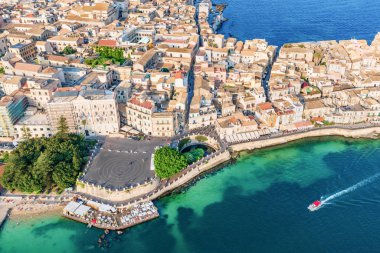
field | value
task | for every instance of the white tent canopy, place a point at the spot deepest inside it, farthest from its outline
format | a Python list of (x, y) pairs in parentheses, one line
[(82, 210), (71, 207)]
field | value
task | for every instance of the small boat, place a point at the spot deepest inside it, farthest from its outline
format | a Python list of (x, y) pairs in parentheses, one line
[(315, 206), (119, 232)]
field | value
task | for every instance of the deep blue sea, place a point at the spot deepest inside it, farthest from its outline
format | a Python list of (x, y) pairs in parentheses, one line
[(283, 21), (259, 203)]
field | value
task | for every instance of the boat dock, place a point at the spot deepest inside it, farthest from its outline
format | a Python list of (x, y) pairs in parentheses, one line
[(107, 217)]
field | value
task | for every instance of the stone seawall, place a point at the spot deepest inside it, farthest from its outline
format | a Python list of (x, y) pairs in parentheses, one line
[(155, 189), (273, 141), (185, 178), (116, 195)]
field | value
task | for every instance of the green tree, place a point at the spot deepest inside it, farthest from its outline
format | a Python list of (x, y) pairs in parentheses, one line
[(43, 164), (168, 162), (194, 155), (26, 132), (69, 50), (62, 125), (183, 142)]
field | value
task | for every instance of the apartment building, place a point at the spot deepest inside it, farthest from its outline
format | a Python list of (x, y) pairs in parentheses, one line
[(59, 42), (100, 13), (147, 60), (164, 124), (26, 51), (35, 123), (41, 90), (202, 111), (9, 84), (139, 111), (12, 108), (143, 115), (91, 112)]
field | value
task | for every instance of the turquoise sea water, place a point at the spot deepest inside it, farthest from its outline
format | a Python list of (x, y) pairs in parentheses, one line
[(258, 204)]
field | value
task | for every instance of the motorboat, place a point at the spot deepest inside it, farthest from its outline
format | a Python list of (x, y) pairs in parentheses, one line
[(315, 205)]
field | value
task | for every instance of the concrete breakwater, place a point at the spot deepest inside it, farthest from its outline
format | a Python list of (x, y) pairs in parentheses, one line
[(318, 132)]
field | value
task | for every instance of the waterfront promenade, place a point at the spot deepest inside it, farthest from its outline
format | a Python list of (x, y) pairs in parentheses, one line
[(351, 131), (190, 173), (224, 155)]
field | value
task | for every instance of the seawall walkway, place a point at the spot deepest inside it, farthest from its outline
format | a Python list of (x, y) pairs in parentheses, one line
[(166, 186), (357, 131)]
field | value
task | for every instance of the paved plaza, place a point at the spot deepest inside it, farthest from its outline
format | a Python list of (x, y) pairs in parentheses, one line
[(122, 163)]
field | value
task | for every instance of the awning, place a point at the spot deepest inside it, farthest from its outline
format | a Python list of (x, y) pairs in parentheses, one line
[(71, 207), (107, 208), (82, 210)]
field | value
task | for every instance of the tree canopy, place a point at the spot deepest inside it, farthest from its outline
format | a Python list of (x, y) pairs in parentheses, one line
[(168, 161), (43, 164), (183, 142), (106, 56), (62, 126), (69, 50), (194, 155)]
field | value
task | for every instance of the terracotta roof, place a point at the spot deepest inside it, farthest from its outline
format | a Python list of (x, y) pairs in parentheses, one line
[(27, 67), (318, 119), (101, 6), (107, 43), (146, 104), (57, 58), (178, 75), (49, 70), (74, 88), (5, 100), (303, 124), (265, 106)]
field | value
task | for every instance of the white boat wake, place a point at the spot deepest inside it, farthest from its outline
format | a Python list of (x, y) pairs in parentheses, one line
[(351, 189)]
